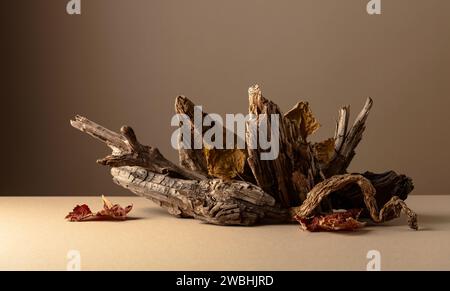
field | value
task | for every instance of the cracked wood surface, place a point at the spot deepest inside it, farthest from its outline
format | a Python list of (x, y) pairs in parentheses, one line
[(213, 200)]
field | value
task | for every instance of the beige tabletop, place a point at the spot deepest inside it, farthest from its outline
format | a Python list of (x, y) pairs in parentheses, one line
[(35, 236)]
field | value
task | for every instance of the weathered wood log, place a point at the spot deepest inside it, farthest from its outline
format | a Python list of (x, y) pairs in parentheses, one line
[(214, 201)]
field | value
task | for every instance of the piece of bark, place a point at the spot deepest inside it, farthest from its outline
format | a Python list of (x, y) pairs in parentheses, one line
[(192, 159), (289, 176), (347, 141), (390, 210), (387, 185)]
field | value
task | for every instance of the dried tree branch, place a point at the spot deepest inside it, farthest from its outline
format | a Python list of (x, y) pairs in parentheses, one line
[(127, 151)]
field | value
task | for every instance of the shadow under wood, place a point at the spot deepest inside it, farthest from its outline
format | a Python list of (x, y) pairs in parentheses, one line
[(153, 211), (163, 212)]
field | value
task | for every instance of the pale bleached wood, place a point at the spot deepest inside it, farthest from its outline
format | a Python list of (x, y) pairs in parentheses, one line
[(127, 151), (341, 128), (213, 200), (346, 143)]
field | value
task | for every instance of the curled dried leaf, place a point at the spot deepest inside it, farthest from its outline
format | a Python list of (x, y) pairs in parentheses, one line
[(338, 221), (113, 211), (109, 212), (324, 150), (226, 163), (80, 213), (301, 114)]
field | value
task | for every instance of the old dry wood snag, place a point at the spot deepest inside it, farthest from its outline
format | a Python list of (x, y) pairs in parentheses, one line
[(306, 182)]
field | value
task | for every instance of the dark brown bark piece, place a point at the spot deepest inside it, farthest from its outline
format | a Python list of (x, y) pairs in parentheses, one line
[(390, 210), (387, 185)]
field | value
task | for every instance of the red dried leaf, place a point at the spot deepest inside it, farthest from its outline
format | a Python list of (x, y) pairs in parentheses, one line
[(80, 212), (109, 212), (113, 211), (337, 221)]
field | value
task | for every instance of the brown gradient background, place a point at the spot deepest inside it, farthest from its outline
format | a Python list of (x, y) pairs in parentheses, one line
[(123, 62)]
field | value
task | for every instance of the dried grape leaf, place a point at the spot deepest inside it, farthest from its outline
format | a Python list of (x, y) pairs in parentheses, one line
[(80, 213), (338, 221), (324, 150), (114, 211), (301, 114), (226, 163), (109, 212)]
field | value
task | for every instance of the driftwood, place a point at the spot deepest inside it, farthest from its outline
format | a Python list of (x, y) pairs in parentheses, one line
[(304, 180)]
